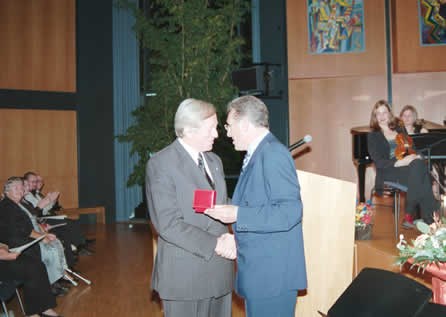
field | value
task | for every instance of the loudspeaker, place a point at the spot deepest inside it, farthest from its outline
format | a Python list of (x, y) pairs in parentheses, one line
[(381, 293), (433, 310)]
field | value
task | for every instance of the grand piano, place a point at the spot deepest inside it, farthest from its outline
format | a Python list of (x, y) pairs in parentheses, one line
[(432, 145)]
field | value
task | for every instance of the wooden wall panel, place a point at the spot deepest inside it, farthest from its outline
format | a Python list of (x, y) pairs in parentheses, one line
[(425, 91), (38, 45), (301, 64), (43, 141), (408, 54), (327, 109)]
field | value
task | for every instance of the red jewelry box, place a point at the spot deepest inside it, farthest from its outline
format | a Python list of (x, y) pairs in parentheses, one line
[(204, 199)]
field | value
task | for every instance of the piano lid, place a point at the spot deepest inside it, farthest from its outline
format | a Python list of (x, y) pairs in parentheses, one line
[(360, 130)]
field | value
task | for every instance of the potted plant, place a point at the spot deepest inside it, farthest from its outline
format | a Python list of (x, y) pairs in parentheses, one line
[(364, 221), (193, 48), (428, 253)]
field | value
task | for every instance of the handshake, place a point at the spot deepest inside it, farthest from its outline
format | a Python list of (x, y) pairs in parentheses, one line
[(226, 246)]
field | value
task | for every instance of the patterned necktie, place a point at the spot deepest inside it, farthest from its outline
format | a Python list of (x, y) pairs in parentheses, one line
[(246, 161), (202, 168)]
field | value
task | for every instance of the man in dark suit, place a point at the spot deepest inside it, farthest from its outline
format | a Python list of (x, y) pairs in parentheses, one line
[(193, 273), (267, 211)]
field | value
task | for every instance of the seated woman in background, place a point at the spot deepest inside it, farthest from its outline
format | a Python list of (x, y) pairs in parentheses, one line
[(410, 171), (38, 300), (17, 228), (409, 117)]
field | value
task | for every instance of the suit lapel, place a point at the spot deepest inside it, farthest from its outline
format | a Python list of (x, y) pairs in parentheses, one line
[(242, 182), (190, 168)]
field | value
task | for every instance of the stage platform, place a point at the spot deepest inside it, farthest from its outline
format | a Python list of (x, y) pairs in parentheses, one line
[(381, 251)]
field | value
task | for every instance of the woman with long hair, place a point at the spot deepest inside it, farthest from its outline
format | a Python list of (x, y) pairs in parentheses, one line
[(410, 170)]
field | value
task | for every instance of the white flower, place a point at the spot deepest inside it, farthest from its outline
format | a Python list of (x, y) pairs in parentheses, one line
[(420, 241), (440, 231), (435, 243), (402, 244)]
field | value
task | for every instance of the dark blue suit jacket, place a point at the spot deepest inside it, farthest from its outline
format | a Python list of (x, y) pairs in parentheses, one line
[(268, 231)]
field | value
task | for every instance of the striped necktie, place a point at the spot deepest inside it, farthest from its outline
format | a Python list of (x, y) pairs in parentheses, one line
[(246, 161)]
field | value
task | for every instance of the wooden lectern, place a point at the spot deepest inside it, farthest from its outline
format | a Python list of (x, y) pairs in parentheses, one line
[(329, 229)]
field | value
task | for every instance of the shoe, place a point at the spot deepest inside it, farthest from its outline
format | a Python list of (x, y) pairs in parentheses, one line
[(64, 283), (58, 291), (408, 222), (407, 225), (90, 241), (84, 251)]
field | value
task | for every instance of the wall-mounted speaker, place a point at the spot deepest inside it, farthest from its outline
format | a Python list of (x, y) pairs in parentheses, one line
[(259, 80)]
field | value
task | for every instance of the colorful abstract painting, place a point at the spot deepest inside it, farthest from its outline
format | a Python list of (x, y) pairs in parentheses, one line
[(432, 16), (336, 26)]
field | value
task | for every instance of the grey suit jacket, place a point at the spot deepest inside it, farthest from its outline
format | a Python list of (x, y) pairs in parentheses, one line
[(186, 266)]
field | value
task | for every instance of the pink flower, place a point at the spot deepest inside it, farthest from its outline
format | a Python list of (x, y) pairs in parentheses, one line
[(367, 219)]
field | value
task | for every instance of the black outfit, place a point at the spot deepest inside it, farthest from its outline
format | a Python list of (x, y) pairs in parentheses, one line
[(36, 287), (16, 227), (15, 230), (415, 176)]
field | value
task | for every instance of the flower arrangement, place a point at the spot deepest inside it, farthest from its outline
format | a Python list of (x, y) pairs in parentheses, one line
[(427, 248), (364, 214)]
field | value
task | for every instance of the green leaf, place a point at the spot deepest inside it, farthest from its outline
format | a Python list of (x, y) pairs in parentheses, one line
[(423, 227), (194, 47)]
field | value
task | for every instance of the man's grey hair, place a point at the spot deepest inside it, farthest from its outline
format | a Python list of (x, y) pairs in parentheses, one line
[(190, 113), (251, 108), (9, 183)]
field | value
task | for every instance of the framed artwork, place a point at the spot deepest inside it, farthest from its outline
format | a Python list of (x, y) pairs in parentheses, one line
[(336, 26), (432, 17)]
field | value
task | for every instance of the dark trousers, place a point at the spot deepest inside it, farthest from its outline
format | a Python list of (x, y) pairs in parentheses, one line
[(419, 188), (71, 231), (36, 287)]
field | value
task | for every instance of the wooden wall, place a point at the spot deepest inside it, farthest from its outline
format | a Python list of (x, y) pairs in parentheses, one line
[(409, 56), (330, 94), (38, 45), (38, 54), (50, 149)]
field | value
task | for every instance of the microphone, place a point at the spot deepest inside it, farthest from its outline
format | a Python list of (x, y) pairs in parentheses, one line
[(306, 139)]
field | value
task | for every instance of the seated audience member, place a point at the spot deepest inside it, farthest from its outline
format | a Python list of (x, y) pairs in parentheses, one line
[(17, 228), (39, 193), (38, 299), (47, 204), (34, 196), (410, 171), (63, 234), (409, 116)]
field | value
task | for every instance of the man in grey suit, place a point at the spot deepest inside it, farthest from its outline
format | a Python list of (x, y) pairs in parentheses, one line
[(193, 271)]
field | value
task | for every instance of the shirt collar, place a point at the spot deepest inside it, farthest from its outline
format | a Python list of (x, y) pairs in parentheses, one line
[(192, 152), (254, 144)]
